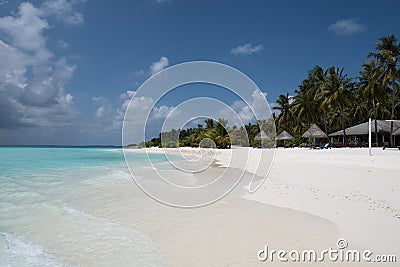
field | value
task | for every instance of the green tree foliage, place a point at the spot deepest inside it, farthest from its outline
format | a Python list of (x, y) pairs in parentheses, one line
[(335, 101), (215, 134), (328, 98)]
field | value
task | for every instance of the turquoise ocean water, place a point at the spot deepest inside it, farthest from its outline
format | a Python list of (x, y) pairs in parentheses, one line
[(40, 224)]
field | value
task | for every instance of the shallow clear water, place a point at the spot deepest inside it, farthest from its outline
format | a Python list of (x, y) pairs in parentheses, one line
[(39, 222)]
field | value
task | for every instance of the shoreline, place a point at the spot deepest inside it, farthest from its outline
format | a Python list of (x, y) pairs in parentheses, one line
[(345, 186), (228, 232), (87, 214)]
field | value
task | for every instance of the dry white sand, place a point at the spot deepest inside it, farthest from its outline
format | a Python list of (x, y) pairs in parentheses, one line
[(357, 192), (309, 200)]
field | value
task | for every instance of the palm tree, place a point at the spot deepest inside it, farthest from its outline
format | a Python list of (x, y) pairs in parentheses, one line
[(222, 139), (221, 127), (327, 97), (337, 94), (388, 58), (318, 77), (252, 130), (209, 123), (371, 89), (284, 118), (304, 107)]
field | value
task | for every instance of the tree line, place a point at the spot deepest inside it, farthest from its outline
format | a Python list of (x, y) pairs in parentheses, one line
[(215, 133), (335, 101), (328, 98)]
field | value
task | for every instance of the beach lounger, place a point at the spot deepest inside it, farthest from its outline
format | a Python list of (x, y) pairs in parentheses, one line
[(384, 147), (325, 146)]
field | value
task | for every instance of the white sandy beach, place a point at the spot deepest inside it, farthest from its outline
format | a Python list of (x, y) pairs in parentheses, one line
[(356, 192), (326, 195)]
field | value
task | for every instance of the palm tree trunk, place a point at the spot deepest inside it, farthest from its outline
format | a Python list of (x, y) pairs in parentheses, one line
[(325, 125), (343, 126), (376, 123), (393, 107)]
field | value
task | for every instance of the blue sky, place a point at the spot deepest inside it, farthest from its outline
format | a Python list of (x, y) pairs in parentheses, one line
[(67, 67)]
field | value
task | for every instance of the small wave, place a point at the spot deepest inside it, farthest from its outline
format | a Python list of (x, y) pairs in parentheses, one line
[(103, 239), (106, 225), (17, 250), (73, 211)]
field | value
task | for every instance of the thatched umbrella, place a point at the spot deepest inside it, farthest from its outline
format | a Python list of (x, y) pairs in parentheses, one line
[(262, 136), (315, 132), (284, 136)]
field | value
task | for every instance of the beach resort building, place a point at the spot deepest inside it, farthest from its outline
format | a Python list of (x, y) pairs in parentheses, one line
[(358, 134)]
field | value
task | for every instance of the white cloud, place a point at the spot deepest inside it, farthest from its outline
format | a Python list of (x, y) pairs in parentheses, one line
[(100, 112), (62, 44), (139, 73), (109, 118), (347, 27), (161, 112), (3, 2), (140, 104), (159, 65), (134, 120), (127, 95), (105, 107), (248, 112), (100, 99), (64, 10), (238, 114), (155, 67), (259, 105), (32, 79), (25, 29), (247, 49)]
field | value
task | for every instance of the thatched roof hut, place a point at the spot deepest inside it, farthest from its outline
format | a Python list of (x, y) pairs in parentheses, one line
[(262, 136), (284, 136), (314, 131)]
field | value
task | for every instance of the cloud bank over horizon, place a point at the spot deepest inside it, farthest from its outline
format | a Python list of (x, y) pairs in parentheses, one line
[(32, 77)]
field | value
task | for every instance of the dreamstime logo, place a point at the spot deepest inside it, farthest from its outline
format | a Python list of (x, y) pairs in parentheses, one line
[(341, 254), (342, 243), (189, 180)]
